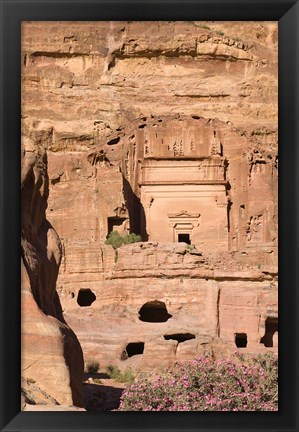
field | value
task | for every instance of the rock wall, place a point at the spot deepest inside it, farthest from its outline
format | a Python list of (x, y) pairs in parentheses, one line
[(182, 293), (104, 99), (51, 353)]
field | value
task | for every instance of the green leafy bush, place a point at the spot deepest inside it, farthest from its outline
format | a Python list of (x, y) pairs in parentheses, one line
[(123, 377), (131, 238), (113, 371), (116, 240), (92, 366), (242, 383), (127, 376)]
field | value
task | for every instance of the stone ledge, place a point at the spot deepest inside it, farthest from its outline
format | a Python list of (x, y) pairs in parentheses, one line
[(197, 274)]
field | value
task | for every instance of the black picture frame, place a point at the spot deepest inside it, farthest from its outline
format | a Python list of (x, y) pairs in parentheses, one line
[(286, 12)]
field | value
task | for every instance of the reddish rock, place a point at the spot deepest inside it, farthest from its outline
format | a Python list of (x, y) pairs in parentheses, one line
[(51, 353), (169, 130)]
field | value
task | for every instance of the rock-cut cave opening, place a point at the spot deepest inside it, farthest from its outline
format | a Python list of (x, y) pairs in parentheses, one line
[(271, 326), (184, 238), (85, 297), (132, 349), (154, 311), (180, 337), (241, 340), (114, 222)]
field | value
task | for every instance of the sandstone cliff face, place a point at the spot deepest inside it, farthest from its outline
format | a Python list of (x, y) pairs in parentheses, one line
[(51, 353), (111, 102), (164, 302)]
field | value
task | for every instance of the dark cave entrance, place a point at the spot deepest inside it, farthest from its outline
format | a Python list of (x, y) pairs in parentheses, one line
[(132, 349), (241, 340), (180, 337), (184, 238), (114, 222), (154, 311), (85, 297), (271, 326)]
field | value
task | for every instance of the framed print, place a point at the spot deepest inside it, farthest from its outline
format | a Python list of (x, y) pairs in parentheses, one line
[(158, 237)]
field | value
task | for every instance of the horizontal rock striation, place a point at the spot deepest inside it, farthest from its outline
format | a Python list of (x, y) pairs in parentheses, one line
[(190, 292), (168, 130)]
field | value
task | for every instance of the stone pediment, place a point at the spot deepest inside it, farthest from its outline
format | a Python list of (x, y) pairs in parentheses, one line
[(184, 214)]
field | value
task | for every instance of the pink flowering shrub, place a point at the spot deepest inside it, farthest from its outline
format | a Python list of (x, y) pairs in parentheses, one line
[(242, 383)]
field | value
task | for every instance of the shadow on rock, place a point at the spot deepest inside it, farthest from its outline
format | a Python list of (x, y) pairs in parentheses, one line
[(101, 397)]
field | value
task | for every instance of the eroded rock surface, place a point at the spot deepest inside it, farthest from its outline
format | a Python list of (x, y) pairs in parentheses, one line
[(51, 353), (167, 129), (164, 302)]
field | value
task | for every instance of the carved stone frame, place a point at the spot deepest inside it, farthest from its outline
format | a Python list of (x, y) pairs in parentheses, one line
[(183, 223)]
